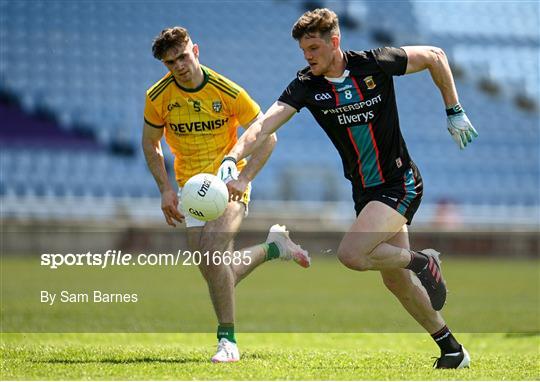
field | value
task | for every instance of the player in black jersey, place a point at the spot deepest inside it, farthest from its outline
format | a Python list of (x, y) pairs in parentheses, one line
[(351, 95)]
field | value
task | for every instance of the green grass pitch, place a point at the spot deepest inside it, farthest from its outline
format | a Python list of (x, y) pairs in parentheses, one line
[(326, 323), (268, 356)]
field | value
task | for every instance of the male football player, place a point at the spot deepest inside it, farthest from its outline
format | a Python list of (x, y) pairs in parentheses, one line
[(351, 95), (199, 111)]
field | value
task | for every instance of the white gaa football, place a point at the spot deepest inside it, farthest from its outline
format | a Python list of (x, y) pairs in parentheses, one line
[(205, 197)]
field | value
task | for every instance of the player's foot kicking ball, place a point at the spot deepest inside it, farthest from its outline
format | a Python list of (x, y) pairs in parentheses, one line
[(287, 248)]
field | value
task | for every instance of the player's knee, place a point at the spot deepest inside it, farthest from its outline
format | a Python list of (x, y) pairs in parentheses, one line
[(211, 247), (215, 243), (352, 259), (212, 271), (206, 245)]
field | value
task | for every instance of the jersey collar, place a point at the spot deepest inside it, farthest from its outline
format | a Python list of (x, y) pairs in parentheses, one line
[(193, 90), (339, 80)]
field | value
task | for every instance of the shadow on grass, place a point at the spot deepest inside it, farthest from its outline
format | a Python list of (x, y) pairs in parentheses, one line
[(136, 360), (121, 361)]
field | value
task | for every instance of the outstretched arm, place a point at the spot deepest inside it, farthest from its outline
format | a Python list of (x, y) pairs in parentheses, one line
[(237, 187), (261, 132), (434, 59), (154, 159), (260, 156)]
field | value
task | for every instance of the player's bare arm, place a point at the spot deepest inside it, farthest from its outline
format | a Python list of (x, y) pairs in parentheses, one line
[(252, 140), (261, 129), (434, 59), (154, 159), (237, 187)]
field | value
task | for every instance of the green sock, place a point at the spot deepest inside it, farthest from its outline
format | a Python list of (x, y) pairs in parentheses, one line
[(272, 251), (226, 331)]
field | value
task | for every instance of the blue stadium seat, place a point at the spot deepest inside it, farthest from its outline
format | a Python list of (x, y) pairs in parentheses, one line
[(89, 70)]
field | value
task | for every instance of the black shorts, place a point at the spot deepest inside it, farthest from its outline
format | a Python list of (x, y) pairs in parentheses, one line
[(404, 196)]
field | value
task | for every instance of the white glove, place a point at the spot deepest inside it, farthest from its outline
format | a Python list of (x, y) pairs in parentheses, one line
[(228, 171), (459, 126)]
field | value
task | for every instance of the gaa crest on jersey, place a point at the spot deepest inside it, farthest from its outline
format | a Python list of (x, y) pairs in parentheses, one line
[(370, 83), (216, 105), (173, 105)]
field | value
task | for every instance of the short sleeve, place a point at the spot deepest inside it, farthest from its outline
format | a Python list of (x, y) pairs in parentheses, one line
[(392, 61), (151, 116), (293, 95), (245, 108)]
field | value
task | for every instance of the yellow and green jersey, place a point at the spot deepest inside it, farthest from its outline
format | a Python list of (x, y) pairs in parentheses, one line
[(200, 124)]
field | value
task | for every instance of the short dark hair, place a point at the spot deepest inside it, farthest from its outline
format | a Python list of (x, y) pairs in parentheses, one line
[(321, 20), (169, 38)]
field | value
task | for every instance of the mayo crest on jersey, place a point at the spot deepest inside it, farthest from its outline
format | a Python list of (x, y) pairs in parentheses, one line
[(201, 123)]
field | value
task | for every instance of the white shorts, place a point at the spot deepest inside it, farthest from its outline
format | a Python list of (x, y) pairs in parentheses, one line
[(192, 222)]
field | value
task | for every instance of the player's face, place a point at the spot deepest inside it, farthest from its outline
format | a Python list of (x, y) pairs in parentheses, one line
[(183, 62), (318, 52)]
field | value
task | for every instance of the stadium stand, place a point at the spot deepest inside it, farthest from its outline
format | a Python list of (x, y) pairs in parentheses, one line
[(89, 64)]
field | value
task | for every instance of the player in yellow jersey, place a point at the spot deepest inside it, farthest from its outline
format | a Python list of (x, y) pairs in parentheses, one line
[(199, 111)]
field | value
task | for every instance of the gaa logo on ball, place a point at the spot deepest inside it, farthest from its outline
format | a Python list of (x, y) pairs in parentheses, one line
[(204, 197)]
